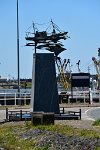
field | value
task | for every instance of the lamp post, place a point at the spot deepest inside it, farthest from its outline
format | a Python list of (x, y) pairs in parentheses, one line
[(18, 51)]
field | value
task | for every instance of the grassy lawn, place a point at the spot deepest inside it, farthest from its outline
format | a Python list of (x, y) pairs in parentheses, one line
[(10, 138), (96, 123)]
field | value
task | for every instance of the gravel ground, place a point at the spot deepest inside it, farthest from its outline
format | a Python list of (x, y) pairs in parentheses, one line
[(55, 141)]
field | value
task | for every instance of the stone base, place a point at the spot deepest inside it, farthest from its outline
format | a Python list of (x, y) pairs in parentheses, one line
[(42, 118)]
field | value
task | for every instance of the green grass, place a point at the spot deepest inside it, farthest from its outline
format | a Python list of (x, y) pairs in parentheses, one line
[(28, 84), (96, 123), (11, 140), (97, 148)]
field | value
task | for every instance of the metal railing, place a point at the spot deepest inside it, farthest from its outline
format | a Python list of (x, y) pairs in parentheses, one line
[(83, 96), (15, 98), (25, 98)]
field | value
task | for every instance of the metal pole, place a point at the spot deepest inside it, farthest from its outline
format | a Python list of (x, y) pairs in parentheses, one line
[(18, 50), (18, 54)]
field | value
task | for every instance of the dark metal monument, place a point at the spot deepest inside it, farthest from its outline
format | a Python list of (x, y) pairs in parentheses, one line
[(44, 82), (44, 87)]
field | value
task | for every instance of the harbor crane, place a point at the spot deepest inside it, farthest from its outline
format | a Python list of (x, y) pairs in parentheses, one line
[(63, 77), (97, 66)]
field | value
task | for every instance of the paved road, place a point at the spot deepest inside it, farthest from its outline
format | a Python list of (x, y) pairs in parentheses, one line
[(2, 114), (84, 111)]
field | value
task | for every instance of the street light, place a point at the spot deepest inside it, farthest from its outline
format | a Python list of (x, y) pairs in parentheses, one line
[(18, 51)]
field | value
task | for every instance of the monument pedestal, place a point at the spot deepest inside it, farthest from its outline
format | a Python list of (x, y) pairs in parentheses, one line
[(44, 84)]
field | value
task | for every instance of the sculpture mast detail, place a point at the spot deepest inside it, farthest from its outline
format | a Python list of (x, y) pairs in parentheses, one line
[(49, 41)]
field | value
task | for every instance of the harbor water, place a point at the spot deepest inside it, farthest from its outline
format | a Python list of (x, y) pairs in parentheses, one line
[(15, 90)]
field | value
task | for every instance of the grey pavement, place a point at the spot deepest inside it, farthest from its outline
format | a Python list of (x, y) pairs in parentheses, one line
[(2, 114), (84, 110)]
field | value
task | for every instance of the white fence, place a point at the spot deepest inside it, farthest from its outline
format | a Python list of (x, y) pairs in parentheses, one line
[(82, 96), (91, 95), (25, 98), (15, 98)]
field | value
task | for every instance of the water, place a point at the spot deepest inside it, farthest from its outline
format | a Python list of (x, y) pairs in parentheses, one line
[(60, 89), (15, 90)]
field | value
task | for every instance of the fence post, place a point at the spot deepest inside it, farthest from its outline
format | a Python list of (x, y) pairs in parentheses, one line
[(25, 99), (7, 114), (20, 114), (15, 99), (84, 96), (80, 114), (63, 110), (5, 100)]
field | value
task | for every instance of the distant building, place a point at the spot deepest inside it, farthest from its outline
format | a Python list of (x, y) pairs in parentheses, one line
[(3, 79)]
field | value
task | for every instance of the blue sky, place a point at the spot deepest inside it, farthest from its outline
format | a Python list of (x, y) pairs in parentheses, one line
[(81, 18)]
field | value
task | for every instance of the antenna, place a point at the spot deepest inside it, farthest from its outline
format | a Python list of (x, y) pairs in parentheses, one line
[(88, 69), (78, 63), (98, 51)]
